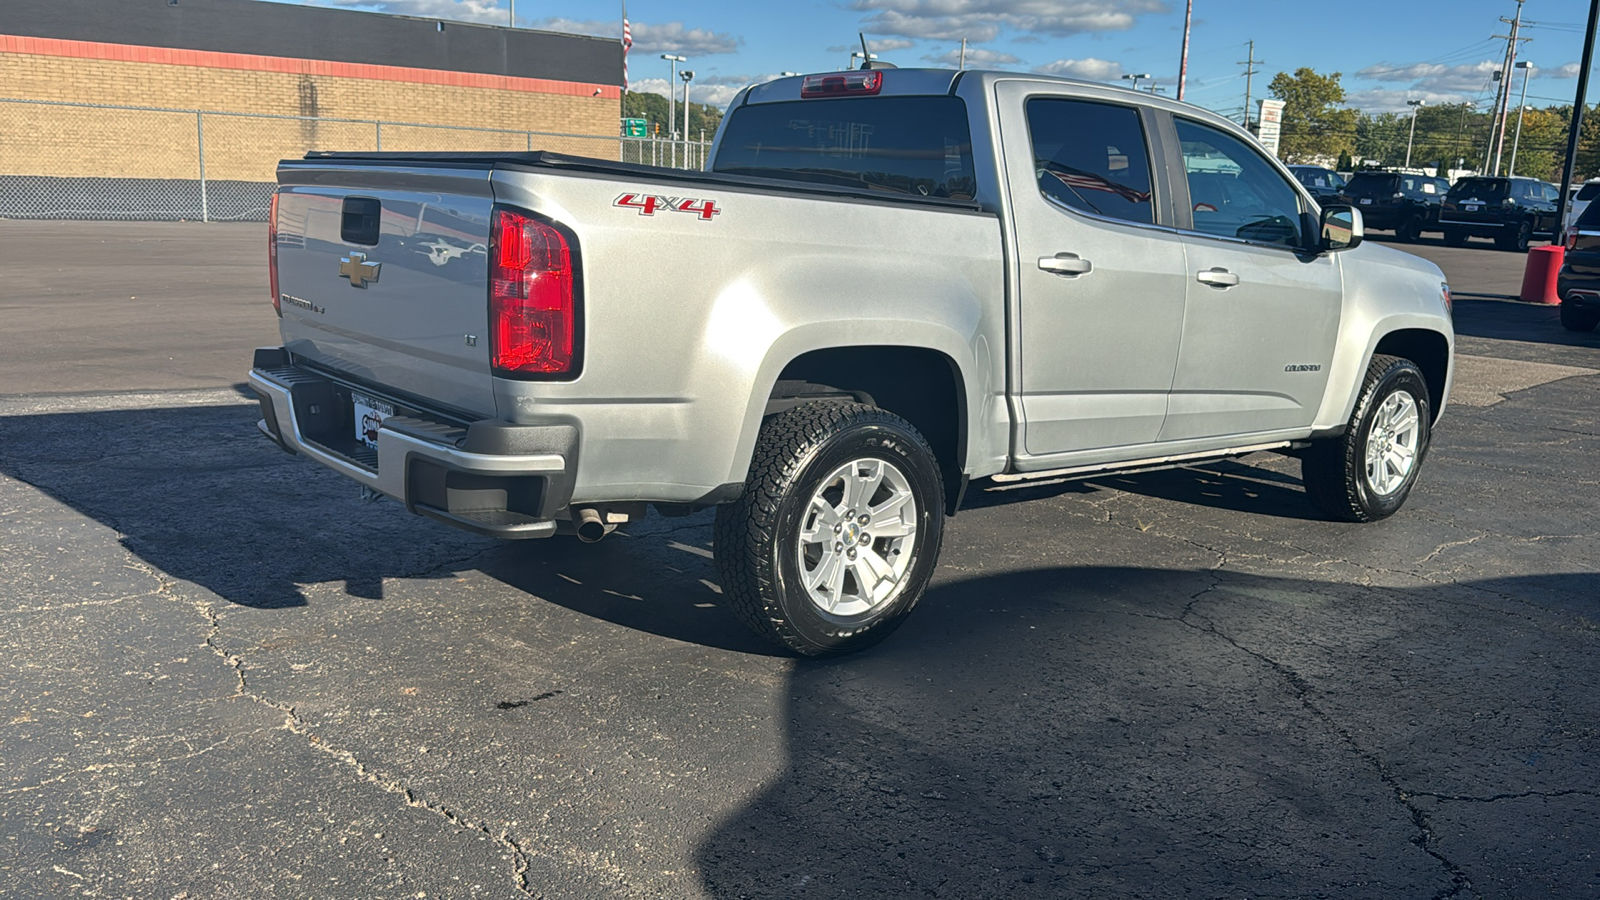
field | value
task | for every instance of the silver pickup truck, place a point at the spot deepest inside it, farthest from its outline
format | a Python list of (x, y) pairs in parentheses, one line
[(888, 283)]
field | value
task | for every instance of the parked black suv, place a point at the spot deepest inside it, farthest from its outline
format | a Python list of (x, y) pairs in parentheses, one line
[(1579, 282), (1325, 185), (1406, 204), (1513, 211)]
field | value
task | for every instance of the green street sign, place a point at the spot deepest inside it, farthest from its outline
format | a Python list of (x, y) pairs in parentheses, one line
[(633, 128)]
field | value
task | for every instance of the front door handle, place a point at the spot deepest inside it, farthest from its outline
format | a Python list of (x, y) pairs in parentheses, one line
[(1069, 264), (1217, 277)]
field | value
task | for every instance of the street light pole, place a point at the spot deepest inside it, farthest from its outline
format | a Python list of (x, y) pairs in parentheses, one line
[(1136, 78), (1416, 105), (672, 101), (687, 75), (1516, 142)]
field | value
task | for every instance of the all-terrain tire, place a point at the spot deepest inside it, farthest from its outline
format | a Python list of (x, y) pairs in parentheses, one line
[(1575, 319), (759, 545), (1335, 471)]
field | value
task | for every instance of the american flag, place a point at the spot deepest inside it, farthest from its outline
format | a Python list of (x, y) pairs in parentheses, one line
[(1080, 180), (627, 44)]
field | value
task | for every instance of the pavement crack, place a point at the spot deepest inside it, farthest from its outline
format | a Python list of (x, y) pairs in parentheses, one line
[(1426, 839), (1449, 544), (1493, 798)]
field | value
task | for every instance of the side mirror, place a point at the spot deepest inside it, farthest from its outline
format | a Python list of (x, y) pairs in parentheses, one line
[(1342, 228)]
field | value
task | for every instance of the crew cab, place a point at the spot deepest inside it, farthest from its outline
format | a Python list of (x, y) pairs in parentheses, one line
[(890, 284)]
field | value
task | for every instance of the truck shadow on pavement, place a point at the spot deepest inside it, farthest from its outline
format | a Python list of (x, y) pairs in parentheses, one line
[(1485, 316), (1123, 731)]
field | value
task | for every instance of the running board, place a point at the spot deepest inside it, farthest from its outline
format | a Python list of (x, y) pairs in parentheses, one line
[(1141, 465)]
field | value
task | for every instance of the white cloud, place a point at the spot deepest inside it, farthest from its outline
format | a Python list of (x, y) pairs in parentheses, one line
[(1381, 100), (488, 12), (977, 58), (1570, 70), (884, 45), (667, 37), (1089, 69), (1469, 78), (982, 20)]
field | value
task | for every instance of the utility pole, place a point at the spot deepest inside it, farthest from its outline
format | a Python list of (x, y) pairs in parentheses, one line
[(1183, 64), (1249, 73), (1577, 113), (1503, 96), (513, 17), (963, 53)]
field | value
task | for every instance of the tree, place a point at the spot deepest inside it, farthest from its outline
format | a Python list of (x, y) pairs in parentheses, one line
[(1315, 126), (653, 109)]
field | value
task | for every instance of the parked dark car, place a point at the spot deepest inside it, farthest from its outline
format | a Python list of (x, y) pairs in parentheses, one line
[(1513, 211), (1325, 185), (1406, 204), (1579, 282)]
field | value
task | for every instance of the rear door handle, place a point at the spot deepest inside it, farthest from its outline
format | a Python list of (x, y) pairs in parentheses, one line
[(1217, 277), (1069, 264)]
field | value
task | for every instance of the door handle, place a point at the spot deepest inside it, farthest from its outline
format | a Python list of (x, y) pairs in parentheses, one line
[(1069, 264), (1217, 277)]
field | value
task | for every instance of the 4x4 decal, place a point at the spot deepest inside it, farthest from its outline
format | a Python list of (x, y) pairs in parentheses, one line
[(647, 204)]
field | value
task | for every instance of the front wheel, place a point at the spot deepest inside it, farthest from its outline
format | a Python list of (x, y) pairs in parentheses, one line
[(1410, 230), (837, 531), (1366, 473)]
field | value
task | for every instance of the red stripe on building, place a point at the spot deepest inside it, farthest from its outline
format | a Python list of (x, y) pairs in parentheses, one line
[(250, 63)]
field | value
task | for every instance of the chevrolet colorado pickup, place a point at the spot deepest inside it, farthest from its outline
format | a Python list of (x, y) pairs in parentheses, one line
[(889, 283)]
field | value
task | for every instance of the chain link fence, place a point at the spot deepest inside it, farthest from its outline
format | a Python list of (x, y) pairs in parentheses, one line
[(87, 161)]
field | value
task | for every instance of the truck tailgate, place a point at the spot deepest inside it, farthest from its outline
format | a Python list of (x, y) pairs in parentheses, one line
[(383, 274)]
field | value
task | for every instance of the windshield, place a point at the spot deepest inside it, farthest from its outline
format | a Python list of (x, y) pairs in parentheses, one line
[(905, 145), (1589, 191), (1489, 190), (1372, 184)]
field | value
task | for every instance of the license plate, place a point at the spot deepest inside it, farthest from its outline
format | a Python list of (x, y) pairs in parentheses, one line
[(1472, 207), (1366, 201), (369, 416)]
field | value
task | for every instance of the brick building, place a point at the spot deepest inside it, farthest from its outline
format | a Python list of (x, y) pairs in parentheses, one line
[(245, 60)]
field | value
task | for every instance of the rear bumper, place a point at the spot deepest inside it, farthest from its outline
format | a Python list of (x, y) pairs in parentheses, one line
[(1586, 296), (488, 477)]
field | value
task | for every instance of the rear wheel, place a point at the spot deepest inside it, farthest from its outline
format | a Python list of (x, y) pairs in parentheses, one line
[(837, 531), (1517, 240), (1455, 237), (1367, 473), (1575, 319)]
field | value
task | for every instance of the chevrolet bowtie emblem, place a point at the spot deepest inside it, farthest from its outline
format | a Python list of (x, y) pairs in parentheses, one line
[(356, 268)]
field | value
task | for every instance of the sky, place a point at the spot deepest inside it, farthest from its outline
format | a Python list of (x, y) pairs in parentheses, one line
[(1438, 51)]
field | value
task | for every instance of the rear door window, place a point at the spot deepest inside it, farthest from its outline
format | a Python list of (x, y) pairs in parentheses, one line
[(901, 145), (1091, 157), (1373, 184), (1589, 191)]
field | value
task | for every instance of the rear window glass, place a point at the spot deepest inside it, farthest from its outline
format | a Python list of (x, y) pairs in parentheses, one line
[(1373, 183), (1091, 157), (1489, 190), (1589, 191), (904, 145), (1590, 220)]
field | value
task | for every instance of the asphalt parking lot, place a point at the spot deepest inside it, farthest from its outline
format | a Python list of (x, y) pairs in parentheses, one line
[(226, 676)]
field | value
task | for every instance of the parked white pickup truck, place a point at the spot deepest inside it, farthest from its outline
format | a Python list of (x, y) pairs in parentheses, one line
[(889, 283)]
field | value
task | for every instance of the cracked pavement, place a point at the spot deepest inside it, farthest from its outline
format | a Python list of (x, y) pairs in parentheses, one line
[(226, 676)]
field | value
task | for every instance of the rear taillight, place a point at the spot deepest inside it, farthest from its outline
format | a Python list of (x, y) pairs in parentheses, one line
[(842, 84), (272, 255), (1572, 237), (531, 309)]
